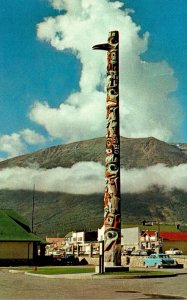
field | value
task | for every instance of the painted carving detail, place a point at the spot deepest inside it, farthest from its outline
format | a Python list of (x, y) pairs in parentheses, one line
[(112, 206), (112, 211)]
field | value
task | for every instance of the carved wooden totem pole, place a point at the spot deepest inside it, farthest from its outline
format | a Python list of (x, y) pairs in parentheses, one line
[(112, 203)]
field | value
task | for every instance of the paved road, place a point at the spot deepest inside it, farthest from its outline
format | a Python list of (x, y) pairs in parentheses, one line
[(21, 286)]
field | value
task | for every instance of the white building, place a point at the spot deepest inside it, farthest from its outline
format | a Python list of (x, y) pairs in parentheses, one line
[(80, 242), (130, 237), (150, 240)]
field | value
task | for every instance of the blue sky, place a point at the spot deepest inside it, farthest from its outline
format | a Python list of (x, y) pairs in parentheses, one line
[(45, 81), (30, 69), (166, 21)]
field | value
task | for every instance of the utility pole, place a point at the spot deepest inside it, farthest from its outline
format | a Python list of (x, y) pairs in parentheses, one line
[(112, 195), (33, 204)]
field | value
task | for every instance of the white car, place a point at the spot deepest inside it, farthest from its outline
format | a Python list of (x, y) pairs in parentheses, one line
[(173, 251)]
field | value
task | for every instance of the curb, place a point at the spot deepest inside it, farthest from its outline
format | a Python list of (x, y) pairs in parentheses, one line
[(134, 276), (64, 276), (15, 271), (96, 276)]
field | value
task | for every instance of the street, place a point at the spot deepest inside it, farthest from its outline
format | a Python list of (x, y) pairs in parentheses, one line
[(21, 286)]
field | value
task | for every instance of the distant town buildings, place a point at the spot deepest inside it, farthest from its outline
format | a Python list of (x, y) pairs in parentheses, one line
[(18, 245), (174, 240), (81, 243)]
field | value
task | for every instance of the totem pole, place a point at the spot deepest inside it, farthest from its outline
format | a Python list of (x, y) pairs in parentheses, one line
[(112, 205)]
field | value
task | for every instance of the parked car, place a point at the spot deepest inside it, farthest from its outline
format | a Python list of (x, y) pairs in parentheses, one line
[(159, 260), (69, 259), (173, 251), (138, 253), (95, 252), (142, 252), (56, 257), (127, 251)]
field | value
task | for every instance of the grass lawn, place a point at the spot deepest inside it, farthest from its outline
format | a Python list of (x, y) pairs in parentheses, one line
[(79, 270), (139, 273), (58, 270), (163, 227)]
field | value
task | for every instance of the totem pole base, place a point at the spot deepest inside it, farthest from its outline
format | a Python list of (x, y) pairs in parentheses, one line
[(112, 269), (108, 267)]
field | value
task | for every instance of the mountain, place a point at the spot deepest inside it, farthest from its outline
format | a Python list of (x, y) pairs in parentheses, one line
[(58, 213), (135, 153)]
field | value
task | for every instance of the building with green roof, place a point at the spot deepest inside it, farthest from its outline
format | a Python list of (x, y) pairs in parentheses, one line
[(17, 242)]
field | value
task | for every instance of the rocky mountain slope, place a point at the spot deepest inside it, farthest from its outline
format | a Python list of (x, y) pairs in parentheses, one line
[(135, 153), (58, 213)]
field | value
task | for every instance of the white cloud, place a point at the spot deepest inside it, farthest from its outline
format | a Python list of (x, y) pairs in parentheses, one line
[(16, 143), (147, 107), (31, 137), (78, 179), (88, 178), (141, 180), (72, 122), (12, 144)]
